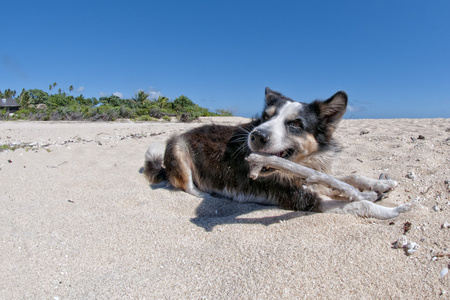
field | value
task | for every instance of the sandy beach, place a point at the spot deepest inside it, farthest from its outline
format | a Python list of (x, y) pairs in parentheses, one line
[(79, 221)]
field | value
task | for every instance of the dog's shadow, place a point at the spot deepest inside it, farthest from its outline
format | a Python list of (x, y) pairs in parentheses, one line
[(214, 211)]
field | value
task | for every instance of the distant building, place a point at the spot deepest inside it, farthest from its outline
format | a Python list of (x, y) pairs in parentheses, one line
[(10, 105)]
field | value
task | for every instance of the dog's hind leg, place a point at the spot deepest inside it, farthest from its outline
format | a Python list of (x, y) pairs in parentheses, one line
[(369, 184), (363, 209), (178, 166)]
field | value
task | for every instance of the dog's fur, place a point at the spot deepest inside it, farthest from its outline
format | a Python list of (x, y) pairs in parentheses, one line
[(211, 159)]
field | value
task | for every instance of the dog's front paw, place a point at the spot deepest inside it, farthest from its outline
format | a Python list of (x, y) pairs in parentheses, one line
[(403, 208), (384, 185), (369, 196), (388, 183)]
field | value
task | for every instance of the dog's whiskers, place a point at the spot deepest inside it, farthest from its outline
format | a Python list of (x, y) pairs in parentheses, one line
[(242, 149), (241, 138)]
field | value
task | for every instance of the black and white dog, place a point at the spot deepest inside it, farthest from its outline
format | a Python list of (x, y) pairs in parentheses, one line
[(217, 159)]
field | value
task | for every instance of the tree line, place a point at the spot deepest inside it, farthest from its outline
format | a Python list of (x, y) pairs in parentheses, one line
[(36, 104)]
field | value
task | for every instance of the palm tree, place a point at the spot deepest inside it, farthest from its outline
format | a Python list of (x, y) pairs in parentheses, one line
[(24, 98), (161, 101), (71, 88), (9, 93), (140, 97), (51, 86)]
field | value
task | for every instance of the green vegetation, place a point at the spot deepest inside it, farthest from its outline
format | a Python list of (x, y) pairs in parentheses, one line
[(36, 104), (8, 147)]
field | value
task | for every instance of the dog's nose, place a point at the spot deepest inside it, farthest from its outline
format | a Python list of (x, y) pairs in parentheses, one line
[(259, 138)]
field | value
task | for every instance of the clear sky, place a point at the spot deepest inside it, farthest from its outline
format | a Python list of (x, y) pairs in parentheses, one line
[(391, 57)]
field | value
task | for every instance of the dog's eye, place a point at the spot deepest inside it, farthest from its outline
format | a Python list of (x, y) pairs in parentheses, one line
[(265, 117), (297, 123)]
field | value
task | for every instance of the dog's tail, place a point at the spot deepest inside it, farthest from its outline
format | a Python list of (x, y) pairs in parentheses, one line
[(154, 163)]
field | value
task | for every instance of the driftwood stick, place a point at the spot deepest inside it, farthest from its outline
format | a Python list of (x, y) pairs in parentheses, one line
[(258, 162)]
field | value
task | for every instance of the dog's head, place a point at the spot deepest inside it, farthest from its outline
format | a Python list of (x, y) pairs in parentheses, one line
[(295, 130)]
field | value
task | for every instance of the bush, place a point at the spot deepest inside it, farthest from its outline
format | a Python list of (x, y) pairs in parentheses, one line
[(123, 112), (145, 118), (74, 116), (55, 116), (39, 116), (3, 114), (142, 112), (106, 114), (155, 113), (127, 112), (187, 117), (223, 112)]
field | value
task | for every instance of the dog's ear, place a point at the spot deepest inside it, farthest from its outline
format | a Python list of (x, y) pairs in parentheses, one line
[(332, 110), (272, 96)]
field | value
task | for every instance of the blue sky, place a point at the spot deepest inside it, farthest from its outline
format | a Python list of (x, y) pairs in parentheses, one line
[(391, 57)]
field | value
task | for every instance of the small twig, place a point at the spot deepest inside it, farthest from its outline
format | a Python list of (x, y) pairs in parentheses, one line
[(442, 255), (64, 162), (428, 189)]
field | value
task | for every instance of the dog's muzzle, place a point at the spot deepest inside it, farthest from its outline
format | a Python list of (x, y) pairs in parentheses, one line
[(259, 139)]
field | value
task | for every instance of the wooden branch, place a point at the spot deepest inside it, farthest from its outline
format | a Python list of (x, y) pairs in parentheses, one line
[(258, 162)]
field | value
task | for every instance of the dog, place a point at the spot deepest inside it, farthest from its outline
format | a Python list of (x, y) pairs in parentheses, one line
[(212, 160)]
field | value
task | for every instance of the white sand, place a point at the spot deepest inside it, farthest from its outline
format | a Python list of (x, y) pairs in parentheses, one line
[(79, 221)]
